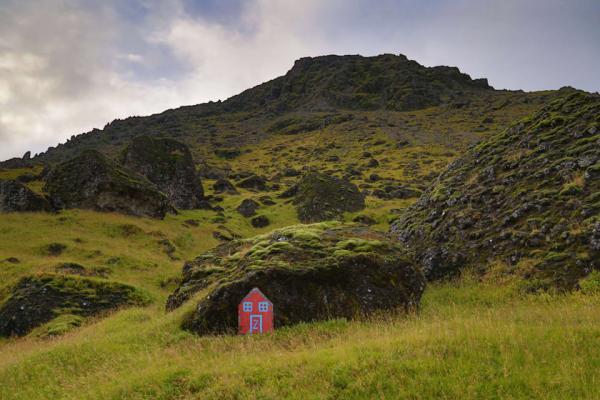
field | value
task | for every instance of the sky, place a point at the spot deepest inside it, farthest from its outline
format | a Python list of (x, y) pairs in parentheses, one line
[(67, 66)]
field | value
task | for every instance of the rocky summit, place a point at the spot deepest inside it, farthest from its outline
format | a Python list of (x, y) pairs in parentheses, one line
[(524, 202), (169, 165), (309, 272), (92, 181)]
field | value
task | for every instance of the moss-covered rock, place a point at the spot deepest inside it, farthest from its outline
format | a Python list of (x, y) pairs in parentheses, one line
[(526, 197), (36, 300), (92, 181), (309, 272), (169, 165), (321, 197), (15, 196)]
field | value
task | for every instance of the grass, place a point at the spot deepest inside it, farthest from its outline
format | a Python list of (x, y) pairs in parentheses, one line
[(469, 340)]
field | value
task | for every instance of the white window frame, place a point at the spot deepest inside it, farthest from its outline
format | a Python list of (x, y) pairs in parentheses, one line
[(247, 307), (263, 306)]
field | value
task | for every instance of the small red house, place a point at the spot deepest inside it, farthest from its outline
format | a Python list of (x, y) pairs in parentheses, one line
[(255, 313)]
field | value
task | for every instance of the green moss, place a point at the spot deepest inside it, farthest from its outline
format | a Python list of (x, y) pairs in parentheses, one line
[(59, 326)]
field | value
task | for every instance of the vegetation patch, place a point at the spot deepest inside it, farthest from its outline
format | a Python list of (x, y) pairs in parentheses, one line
[(36, 300)]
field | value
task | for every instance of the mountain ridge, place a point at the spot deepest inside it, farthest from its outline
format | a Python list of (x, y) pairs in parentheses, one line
[(385, 82)]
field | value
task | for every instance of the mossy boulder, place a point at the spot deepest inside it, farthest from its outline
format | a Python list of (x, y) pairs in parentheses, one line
[(15, 196), (169, 165), (224, 186), (36, 300), (254, 182), (92, 181), (248, 207), (517, 199), (309, 272), (321, 197)]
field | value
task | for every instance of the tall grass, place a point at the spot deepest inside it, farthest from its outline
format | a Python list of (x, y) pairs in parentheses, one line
[(469, 341)]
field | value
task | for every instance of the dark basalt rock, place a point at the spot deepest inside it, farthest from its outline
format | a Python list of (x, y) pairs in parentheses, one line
[(525, 200), (248, 207), (91, 181), (36, 300), (321, 197), (254, 182), (14, 196), (168, 164), (224, 186), (266, 200), (290, 172), (260, 221), (309, 272)]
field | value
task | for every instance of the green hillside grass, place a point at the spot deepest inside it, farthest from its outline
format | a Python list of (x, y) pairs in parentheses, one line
[(469, 340)]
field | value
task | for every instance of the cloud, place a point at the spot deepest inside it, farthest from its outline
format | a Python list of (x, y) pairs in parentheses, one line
[(67, 66)]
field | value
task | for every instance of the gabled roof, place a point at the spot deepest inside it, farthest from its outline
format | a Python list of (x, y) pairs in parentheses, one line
[(257, 290)]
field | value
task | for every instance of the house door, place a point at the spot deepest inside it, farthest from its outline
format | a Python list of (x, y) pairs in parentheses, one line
[(256, 324)]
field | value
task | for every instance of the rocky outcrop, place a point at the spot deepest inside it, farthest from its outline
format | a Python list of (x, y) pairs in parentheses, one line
[(309, 272), (247, 207), (224, 186), (14, 196), (92, 181), (168, 164), (321, 197), (35, 300), (525, 201), (254, 182)]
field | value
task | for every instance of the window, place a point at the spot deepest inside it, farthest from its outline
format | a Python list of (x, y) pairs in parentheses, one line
[(248, 306), (263, 306)]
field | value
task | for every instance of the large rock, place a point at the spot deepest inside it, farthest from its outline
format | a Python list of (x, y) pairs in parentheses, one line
[(247, 207), (309, 272), (92, 181), (169, 165), (254, 182), (35, 300), (321, 197), (14, 196), (523, 203)]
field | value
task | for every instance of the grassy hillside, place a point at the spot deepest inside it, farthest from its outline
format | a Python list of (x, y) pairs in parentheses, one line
[(468, 341), (387, 125)]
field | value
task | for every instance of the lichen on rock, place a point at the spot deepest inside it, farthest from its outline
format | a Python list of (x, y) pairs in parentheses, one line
[(526, 198), (168, 164), (35, 300), (15, 196), (92, 181), (321, 197)]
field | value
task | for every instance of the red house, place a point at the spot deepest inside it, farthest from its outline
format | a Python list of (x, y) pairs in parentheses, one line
[(255, 313)]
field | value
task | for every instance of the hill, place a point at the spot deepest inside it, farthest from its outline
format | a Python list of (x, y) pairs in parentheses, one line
[(445, 160), (523, 202)]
